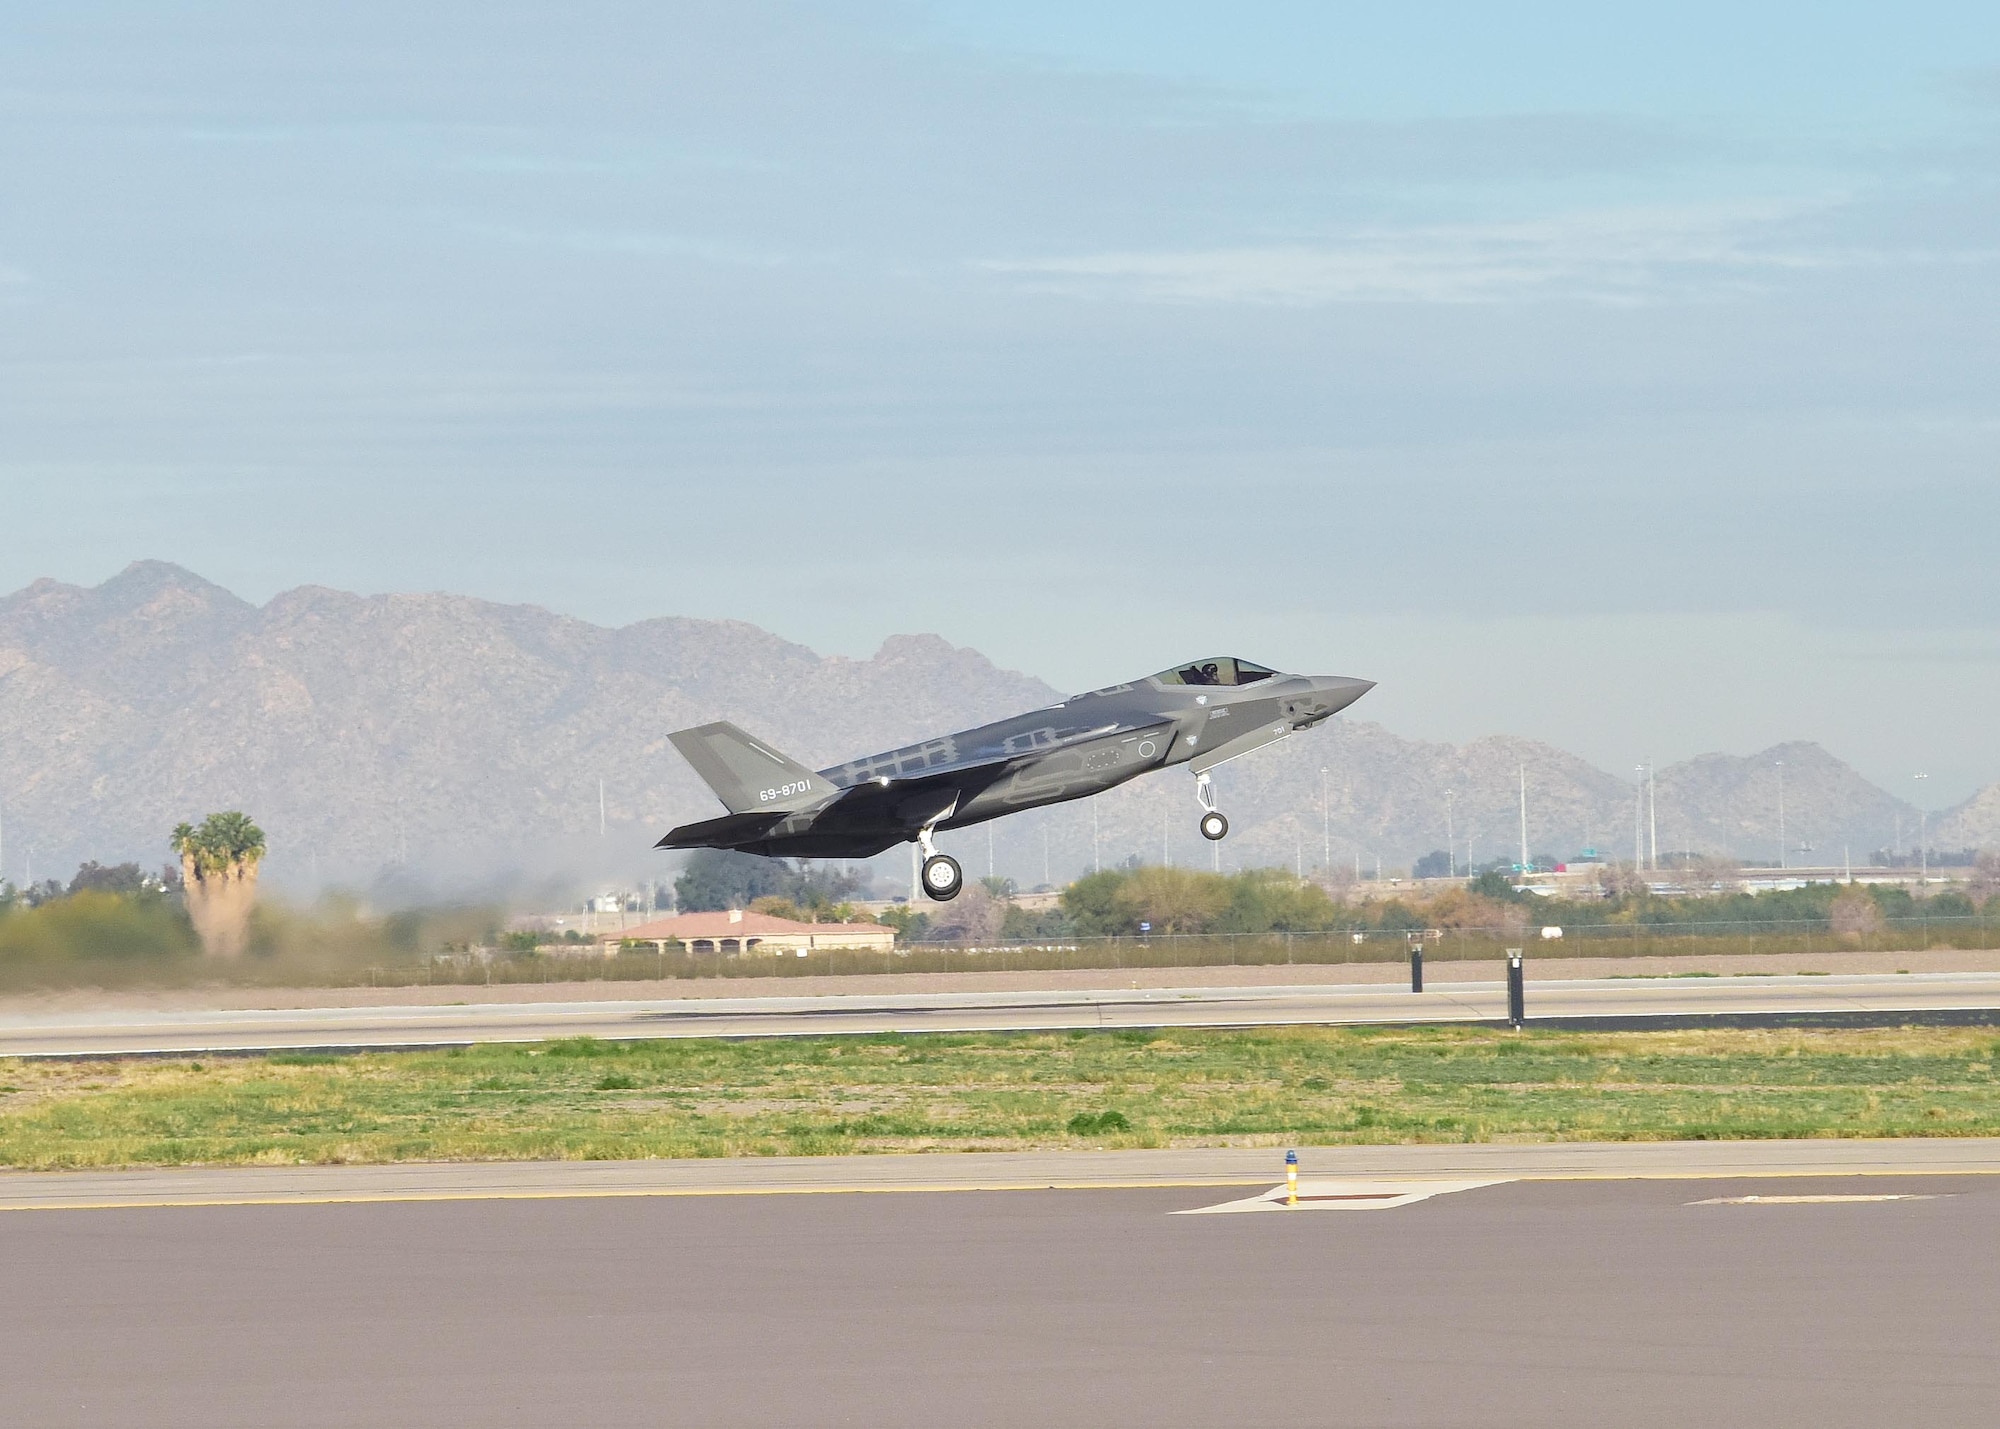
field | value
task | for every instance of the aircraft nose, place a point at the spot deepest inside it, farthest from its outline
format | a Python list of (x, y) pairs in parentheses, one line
[(1339, 691)]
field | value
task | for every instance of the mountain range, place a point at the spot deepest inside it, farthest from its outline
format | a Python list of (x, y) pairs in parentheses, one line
[(450, 742)]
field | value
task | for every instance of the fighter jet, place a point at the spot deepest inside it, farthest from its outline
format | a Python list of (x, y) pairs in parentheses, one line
[(1201, 715)]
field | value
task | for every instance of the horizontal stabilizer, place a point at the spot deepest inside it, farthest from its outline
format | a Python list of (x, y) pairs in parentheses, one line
[(725, 832), (746, 774)]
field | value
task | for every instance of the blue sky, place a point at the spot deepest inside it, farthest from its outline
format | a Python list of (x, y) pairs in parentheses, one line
[(1619, 377)]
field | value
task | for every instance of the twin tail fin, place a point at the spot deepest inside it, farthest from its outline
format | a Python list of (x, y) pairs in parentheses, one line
[(748, 775)]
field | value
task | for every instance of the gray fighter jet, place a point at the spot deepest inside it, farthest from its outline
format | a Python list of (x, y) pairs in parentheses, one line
[(1199, 715)]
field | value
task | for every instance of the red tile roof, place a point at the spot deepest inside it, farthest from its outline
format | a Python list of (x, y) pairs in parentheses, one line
[(686, 926)]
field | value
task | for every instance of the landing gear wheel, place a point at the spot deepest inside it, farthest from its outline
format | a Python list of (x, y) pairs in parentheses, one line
[(942, 877), (1214, 826)]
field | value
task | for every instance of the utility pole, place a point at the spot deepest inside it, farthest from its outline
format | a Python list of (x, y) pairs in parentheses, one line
[(1096, 864), (989, 848), (1166, 860), (1045, 856)]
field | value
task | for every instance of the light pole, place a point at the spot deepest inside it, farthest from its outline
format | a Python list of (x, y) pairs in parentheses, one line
[(1524, 820), (1638, 816), (1781, 814), (1652, 817), (1923, 843), (1450, 837), (1325, 824)]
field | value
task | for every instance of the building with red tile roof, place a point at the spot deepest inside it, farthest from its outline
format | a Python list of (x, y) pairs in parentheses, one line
[(739, 931)]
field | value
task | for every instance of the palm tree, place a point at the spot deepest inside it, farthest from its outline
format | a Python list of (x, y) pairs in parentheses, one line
[(222, 841), (219, 877)]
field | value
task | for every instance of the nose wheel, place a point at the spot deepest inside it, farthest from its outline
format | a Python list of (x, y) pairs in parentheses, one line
[(1214, 827)]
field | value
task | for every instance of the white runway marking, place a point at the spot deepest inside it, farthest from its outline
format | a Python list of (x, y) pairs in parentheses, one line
[(1345, 1196), (1804, 1200), (1807, 1199)]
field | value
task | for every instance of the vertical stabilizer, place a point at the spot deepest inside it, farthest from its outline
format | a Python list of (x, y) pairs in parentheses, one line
[(746, 774)]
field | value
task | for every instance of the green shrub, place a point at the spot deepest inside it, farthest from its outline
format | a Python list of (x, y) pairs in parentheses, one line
[(1097, 1123)]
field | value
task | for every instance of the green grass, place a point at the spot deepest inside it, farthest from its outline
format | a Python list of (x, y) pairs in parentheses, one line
[(584, 1099)]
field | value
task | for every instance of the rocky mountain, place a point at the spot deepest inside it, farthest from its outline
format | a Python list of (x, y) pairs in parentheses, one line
[(430, 732), (465, 741), (1973, 824)]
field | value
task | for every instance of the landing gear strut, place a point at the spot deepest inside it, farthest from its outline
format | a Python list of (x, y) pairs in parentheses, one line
[(1214, 825), (941, 877)]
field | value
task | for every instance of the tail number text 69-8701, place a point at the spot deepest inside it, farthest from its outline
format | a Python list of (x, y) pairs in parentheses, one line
[(783, 791)]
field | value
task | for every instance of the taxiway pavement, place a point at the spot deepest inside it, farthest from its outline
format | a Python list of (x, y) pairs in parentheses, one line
[(1547, 1302), (933, 1172), (1603, 1002)]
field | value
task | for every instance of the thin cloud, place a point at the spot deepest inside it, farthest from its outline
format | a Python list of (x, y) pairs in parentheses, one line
[(1615, 256)]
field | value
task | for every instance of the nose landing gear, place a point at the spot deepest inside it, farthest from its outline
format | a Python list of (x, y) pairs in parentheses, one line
[(1214, 826)]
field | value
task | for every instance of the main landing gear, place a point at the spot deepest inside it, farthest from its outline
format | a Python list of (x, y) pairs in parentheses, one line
[(1214, 825), (941, 876)]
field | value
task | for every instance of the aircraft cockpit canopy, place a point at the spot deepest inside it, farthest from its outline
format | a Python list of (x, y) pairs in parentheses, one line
[(1223, 670)]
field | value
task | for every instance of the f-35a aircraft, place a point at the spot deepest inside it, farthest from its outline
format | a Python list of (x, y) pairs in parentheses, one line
[(1199, 715)]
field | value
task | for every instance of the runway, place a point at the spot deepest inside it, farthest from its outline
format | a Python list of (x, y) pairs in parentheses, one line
[(1594, 1002), (1539, 1302), (937, 1172)]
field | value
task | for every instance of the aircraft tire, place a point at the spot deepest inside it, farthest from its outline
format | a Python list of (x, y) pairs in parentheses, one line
[(942, 877), (1214, 826)]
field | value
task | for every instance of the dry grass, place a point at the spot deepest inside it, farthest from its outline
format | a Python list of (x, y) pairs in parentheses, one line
[(585, 1099)]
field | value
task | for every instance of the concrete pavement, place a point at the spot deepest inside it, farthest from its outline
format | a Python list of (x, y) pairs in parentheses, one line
[(992, 1171), (1603, 1001), (1648, 1304)]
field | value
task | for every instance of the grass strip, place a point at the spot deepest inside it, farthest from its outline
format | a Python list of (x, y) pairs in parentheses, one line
[(585, 1099)]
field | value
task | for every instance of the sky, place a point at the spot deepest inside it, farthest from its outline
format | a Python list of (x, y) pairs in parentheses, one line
[(1617, 376)]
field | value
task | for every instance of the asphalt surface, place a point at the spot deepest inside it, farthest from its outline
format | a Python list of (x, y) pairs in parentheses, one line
[(1615, 1001), (1536, 1303), (932, 1172)]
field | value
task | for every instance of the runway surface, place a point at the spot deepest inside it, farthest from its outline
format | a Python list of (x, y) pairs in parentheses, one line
[(1611, 1001), (935, 1172), (1544, 1303)]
